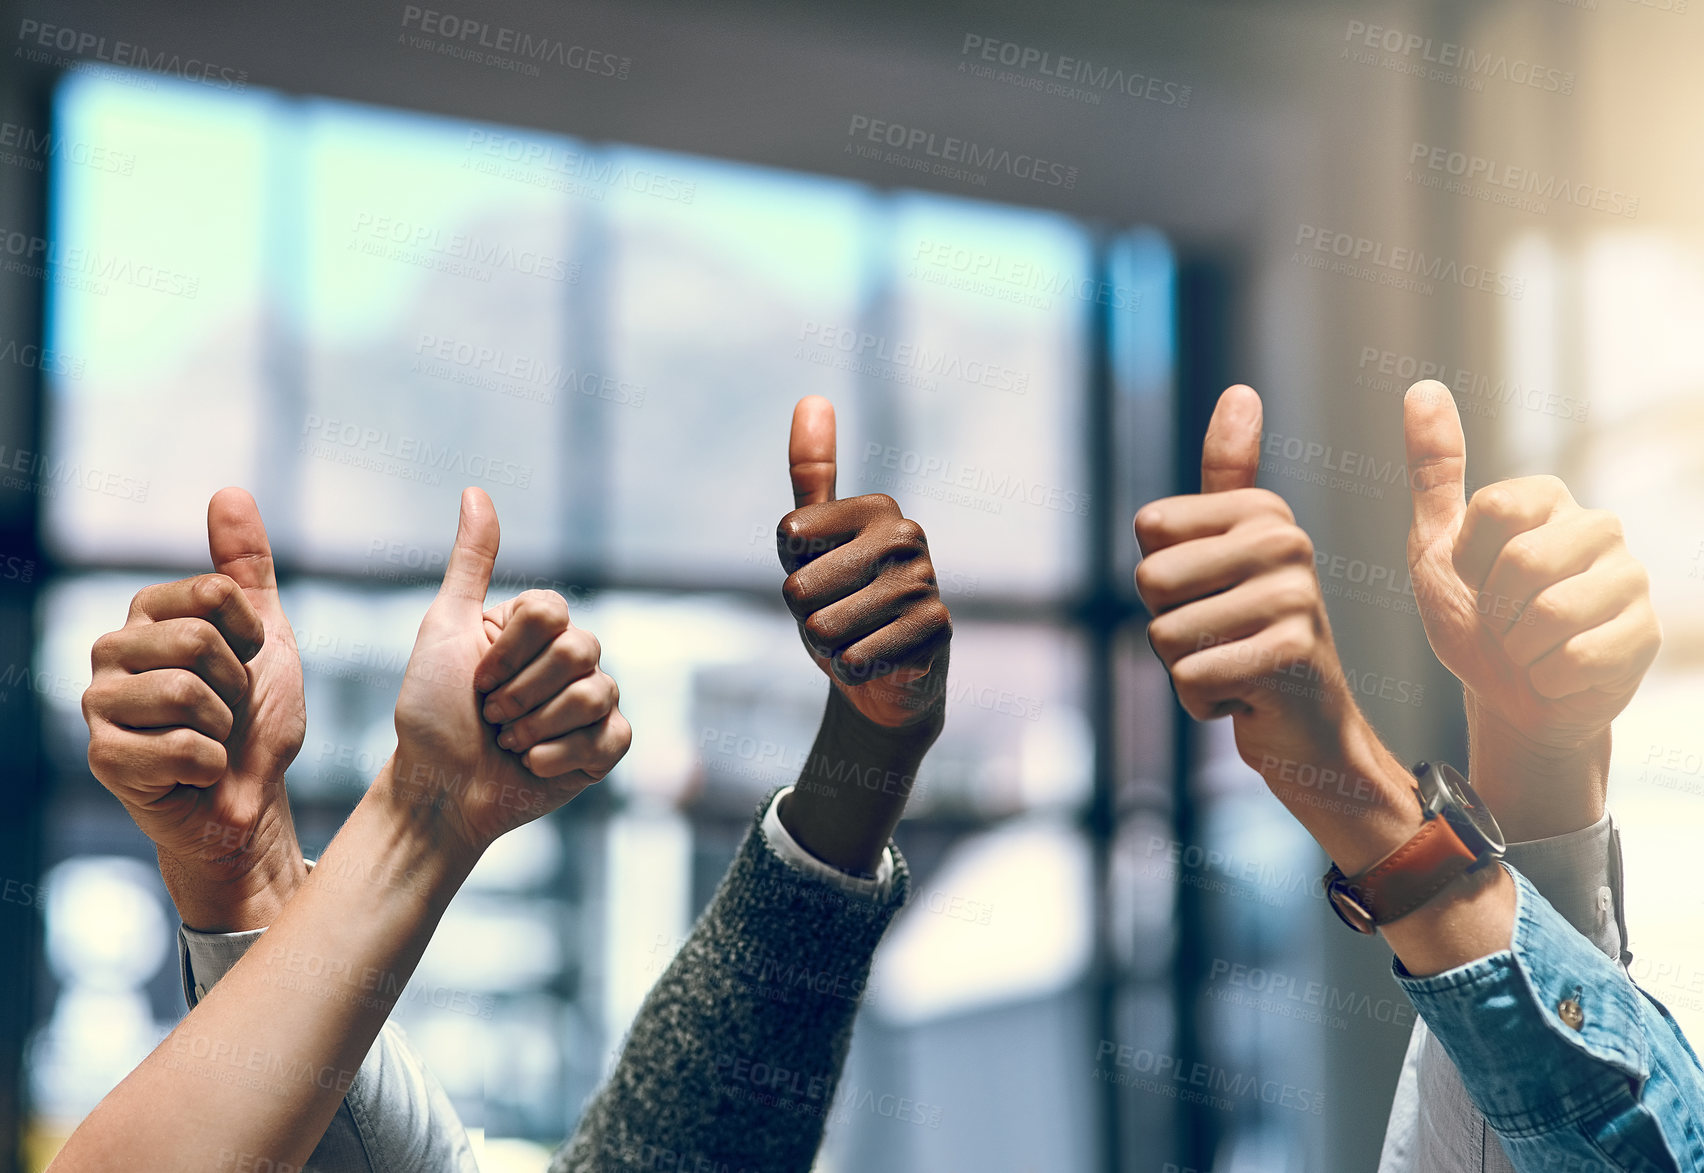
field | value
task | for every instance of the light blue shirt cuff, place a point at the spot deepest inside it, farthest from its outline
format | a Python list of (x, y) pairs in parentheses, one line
[(1507, 1022)]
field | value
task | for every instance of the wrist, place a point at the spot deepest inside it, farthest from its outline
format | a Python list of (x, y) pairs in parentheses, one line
[(247, 889), (389, 855), (421, 819), (1472, 918), (1536, 790), (854, 785), (1357, 801)]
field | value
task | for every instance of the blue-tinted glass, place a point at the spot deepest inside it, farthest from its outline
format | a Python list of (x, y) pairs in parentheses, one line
[(715, 306), (157, 301), (985, 306), (430, 302), (1141, 324)]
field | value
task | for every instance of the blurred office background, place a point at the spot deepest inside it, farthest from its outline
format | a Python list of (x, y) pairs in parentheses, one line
[(353, 259)]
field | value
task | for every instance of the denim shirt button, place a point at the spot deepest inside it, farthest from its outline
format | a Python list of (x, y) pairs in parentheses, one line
[(1570, 1013)]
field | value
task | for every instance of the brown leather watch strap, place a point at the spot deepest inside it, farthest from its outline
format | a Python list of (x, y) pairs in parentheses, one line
[(1414, 873)]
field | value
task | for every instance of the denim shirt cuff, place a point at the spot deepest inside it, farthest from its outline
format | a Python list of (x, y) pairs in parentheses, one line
[(1501, 1021)]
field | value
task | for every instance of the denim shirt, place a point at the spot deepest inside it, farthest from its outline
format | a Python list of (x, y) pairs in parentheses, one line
[(1433, 1124), (1573, 1066)]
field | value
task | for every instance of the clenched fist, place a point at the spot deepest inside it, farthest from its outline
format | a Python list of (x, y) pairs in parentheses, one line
[(1538, 607), (1239, 618), (860, 584), (504, 714), (195, 711)]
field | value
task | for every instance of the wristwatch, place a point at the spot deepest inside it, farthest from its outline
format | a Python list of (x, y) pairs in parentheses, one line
[(1458, 836)]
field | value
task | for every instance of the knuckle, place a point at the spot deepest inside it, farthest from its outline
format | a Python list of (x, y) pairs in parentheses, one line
[(1153, 583), (915, 593), (183, 745), (1584, 655), (1293, 643), (1146, 523), (1290, 544), (820, 632), (99, 753), (204, 641), (104, 651), (1295, 595), (1650, 638), (790, 531), (1267, 501), (591, 649), (1609, 524), (938, 618), (545, 609), (1639, 579), (795, 593), (209, 591), (177, 690), (1546, 609), (1162, 638), (905, 532), (1524, 555), (881, 502), (1500, 500), (1189, 678)]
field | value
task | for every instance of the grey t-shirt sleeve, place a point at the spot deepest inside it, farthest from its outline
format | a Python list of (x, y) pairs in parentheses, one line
[(395, 1118)]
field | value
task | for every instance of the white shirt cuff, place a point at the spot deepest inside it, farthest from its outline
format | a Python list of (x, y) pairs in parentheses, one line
[(782, 843), (1578, 874), (204, 958)]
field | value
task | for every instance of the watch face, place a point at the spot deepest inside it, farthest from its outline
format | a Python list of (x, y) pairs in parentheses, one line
[(1465, 810), (1343, 902)]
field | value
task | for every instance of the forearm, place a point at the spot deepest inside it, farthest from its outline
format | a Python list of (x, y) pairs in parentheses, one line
[(854, 786), (261, 1064)]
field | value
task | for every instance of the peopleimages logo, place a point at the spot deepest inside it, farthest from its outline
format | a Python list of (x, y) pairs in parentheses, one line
[(1448, 61), (869, 353), (1021, 281), (83, 46), (1397, 265), (1063, 75), (1518, 187), (1476, 394), (482, 43), (919, 149)]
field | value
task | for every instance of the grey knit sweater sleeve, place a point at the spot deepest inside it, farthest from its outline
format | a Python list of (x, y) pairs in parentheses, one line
[(732, 1062)]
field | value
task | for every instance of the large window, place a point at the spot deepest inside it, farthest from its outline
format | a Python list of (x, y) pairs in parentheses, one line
[(355, 312)]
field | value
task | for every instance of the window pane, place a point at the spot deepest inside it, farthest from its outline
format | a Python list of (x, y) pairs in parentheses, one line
[(431, 296), (988, 453), (156, 300), (715, 308)]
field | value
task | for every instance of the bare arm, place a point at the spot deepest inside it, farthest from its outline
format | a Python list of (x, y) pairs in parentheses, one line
[(257, 1069)]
